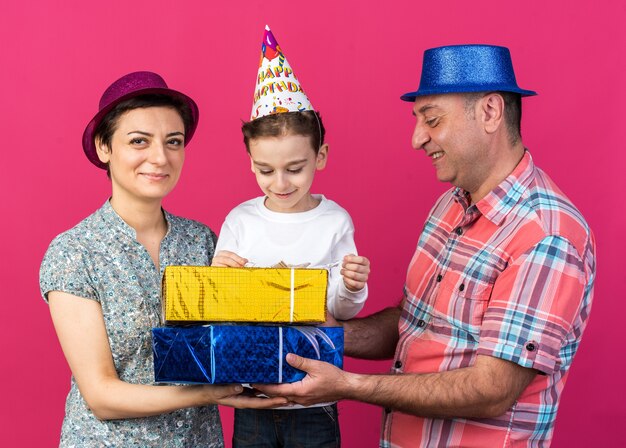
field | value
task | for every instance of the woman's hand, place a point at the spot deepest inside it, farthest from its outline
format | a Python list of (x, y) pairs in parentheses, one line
[(225, 258), (231, 395), (355, 271), (80, 327)]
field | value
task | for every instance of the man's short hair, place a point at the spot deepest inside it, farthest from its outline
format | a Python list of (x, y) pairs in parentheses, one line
[(512, 111)]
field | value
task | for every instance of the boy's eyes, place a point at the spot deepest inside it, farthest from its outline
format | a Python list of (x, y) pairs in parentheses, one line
[(290, 171)]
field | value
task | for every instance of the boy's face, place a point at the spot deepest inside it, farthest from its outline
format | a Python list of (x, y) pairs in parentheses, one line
[(284, 168)]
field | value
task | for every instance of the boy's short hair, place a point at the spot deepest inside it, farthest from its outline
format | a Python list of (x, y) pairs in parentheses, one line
[(307, 123)]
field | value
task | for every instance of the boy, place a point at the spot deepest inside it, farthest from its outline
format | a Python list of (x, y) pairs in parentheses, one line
[(289, 226)]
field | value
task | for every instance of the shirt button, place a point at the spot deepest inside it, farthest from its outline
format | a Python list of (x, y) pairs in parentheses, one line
[(462, 287), (398, 364), (530, 347), (459, 231), (421, 323), (439, 278)]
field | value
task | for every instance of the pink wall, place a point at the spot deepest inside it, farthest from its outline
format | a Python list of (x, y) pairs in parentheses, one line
[(354, 61)]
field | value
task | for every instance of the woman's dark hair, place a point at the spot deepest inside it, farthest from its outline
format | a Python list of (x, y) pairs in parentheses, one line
[(307, 123), (108, 125)]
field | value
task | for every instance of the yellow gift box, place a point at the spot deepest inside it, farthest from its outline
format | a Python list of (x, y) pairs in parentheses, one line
[(221, 294)]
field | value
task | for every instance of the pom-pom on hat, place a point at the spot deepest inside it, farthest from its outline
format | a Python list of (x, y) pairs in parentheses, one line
[(467, 68), (127, 87), (277, 88)]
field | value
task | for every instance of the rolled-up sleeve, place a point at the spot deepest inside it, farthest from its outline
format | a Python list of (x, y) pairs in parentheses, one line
[(538, 307)]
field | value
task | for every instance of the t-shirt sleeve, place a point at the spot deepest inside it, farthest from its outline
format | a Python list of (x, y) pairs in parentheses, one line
[(64, 268), (227, 239), (537, 306), (343, 303)]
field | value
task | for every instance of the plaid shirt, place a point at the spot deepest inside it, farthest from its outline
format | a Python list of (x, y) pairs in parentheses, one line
[(511, 277)]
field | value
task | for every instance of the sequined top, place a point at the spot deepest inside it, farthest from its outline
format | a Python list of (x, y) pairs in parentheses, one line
[(100, 259)]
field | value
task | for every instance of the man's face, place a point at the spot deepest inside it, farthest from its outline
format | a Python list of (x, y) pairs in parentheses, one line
[(449, 130)]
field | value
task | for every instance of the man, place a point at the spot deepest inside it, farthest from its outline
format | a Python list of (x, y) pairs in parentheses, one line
[(499, 289)]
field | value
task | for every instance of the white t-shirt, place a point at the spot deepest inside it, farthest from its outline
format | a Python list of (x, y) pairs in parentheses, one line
[(321, 237)]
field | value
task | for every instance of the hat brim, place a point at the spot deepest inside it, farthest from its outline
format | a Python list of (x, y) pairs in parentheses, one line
[(410, 97), (89, 145)]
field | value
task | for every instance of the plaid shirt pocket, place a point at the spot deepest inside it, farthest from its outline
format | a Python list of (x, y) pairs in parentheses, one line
[(463, 303)]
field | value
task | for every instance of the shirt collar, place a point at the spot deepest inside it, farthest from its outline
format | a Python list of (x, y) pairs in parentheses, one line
[(500, 201), (115, 221)]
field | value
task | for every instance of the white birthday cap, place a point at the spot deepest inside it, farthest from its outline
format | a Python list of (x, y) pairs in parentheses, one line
[(277, 88)]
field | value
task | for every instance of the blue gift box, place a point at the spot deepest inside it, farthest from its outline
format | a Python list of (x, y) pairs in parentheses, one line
[(240, 353)]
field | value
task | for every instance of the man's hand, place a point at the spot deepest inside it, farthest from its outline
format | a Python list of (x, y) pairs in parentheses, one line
[(225, 258), (323, 383), (355, 271), (485, 390)]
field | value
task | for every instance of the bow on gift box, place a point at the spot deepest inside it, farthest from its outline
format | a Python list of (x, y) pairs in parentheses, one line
[(282, 265), (310, 334)]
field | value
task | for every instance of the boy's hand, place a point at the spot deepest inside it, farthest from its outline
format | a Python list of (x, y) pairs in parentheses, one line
[(355, 271), (228, 259)]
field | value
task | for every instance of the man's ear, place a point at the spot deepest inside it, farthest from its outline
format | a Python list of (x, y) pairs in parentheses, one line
[(322, 157), (492, 108), (103, 151)]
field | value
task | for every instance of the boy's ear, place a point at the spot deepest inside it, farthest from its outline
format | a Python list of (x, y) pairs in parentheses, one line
[(251, 163), (103, 151), (322, 157)]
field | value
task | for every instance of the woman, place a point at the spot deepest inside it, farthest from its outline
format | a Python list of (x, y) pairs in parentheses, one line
[(102, 280)]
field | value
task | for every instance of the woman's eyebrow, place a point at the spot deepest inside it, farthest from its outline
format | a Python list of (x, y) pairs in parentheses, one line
[(140, 132), (148, 134)]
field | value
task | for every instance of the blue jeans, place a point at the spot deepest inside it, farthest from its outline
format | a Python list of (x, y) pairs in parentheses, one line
[(289, 428)]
